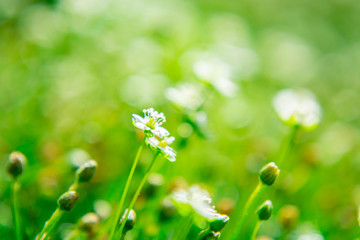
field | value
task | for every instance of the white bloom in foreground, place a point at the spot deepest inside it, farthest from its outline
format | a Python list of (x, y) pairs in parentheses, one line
[(185, 95), (218, 74), (162, 145), (297, 107), (151, 123), (194, 199)]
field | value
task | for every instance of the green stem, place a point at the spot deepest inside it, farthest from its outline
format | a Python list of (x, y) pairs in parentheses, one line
[(137, 193), (256, 229), (246, 210), (288, 143), (50, 224), (74, 186), (185, 231), (126, 189), (15, 186)]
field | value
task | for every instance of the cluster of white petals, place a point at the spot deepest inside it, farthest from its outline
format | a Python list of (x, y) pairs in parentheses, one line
[(162, 144), (186, 95), (217, 73), (151, 123), (197, 199), (297, 107), (157, 137)]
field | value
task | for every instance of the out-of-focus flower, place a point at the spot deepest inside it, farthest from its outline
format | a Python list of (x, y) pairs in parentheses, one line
[(89, 222), (162, 144), (194, 200), (289, 216), (102, 209), (151, 123), (186, 95), (217, 73), (297, 107)]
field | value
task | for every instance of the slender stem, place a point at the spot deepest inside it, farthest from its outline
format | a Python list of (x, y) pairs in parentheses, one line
[(15, 186), (137, 193), (256, 229), (288, 143), (126, 189), (74, 186), (50, 224), (185, 231), (246, 210)]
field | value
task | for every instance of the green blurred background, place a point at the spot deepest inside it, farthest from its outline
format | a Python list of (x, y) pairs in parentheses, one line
[(73, 71)]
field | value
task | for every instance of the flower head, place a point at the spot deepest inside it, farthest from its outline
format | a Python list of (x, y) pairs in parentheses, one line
[(217, 73), (186, 95), (150, 123), (297, 107), (194, 199), (162, 144)]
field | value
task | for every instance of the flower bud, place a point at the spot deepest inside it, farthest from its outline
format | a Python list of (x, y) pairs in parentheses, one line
[(265, 210), (289, 216), (130, 221), (219, 222), (89, 222), (16, 164), (269, 173), (67, 201), (86, 171), (208, 235)]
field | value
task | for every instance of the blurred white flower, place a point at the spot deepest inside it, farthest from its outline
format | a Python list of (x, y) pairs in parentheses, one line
[(217, 73), (162, 145), (194, 199), (186, 95), (151, 123), (297, 107)]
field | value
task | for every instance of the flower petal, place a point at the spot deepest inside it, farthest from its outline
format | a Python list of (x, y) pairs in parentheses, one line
[(169, 153), (161, 132)]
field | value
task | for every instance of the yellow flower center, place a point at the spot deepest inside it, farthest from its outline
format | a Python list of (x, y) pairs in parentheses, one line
[(163, 144), (151, 123)]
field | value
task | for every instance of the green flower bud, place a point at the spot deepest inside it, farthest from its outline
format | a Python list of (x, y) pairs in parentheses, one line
[(265, 210), (130, 221), (208, 235), (67, 201), (86, 171), (16, 164), (219, 222), (269, 173), (89, 222)]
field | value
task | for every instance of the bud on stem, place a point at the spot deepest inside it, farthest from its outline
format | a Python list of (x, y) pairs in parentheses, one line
[(219, 222), (86, 171), (68, 200), (265, 210), (16, 164), (130, 221), (269, 173)]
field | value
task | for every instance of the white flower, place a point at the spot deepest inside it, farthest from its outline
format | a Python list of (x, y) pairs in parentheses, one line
[(217, 73), (162, 145), (151, 123), (297, 107), (197, 199), (186, 95)]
